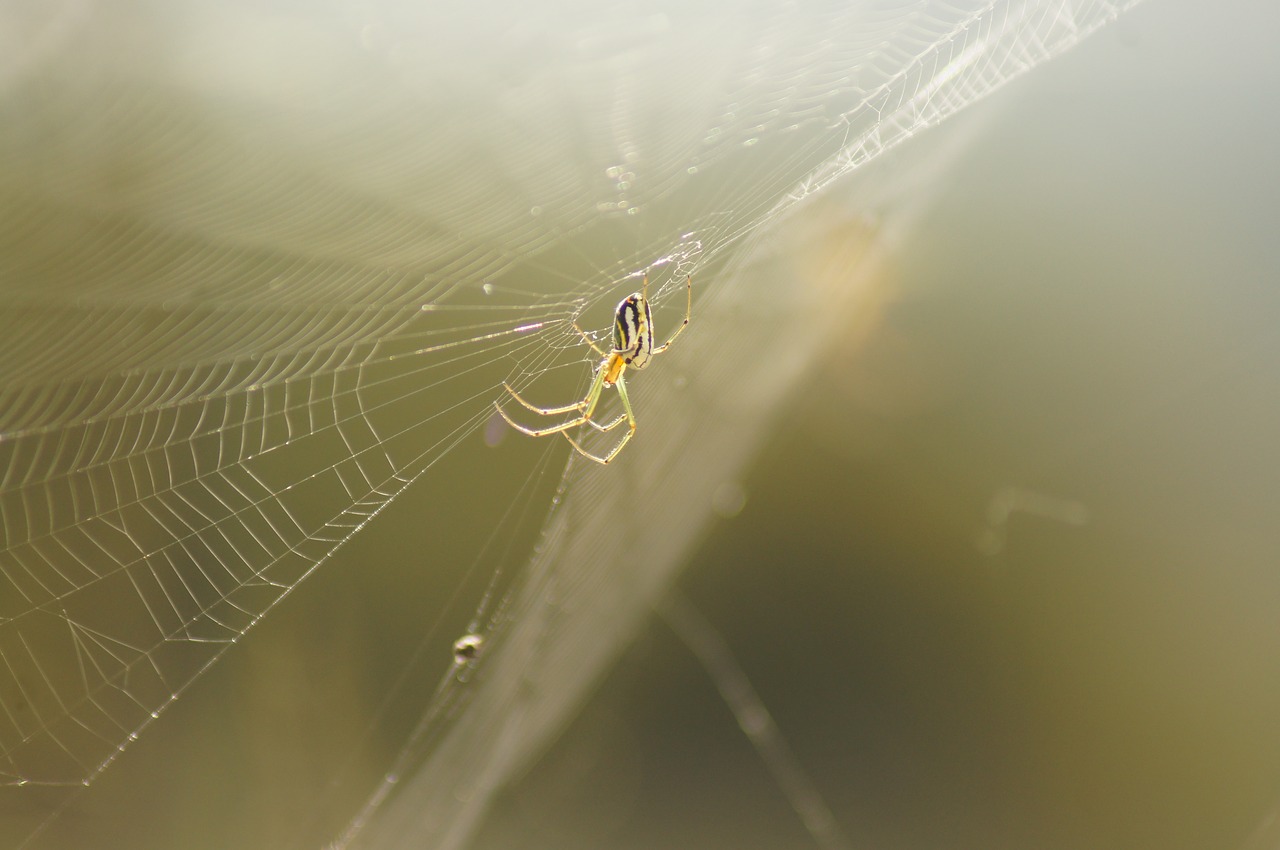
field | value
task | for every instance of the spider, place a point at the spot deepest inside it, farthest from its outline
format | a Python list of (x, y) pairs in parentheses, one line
[(633, 347)]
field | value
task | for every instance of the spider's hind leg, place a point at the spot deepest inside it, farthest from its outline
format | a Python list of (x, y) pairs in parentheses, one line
[(630, 417), (610, 426)]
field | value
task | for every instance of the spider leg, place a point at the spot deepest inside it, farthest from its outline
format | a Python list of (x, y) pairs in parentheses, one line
[(609, 427), (539, 432), (545, 411), (688, 310), (631, 421), (589, 402)]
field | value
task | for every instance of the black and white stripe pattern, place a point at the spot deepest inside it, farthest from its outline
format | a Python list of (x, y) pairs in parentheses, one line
[(633, 331)]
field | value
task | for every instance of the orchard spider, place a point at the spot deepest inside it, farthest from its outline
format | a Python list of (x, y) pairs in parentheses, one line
[(632, 347)]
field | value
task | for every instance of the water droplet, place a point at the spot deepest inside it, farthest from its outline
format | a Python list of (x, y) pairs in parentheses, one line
[(729, 499), (495, 430), (467, 648), (753, 721)]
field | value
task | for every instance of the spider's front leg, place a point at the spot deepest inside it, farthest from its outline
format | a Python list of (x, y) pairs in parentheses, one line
[(545, 411), (587, 405), (539, 432), (688, 312)]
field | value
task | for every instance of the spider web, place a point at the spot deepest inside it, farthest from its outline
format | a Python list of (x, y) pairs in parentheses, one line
[(261, 273)]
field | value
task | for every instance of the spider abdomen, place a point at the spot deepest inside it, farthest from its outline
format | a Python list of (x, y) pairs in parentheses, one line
[(633, 331)]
